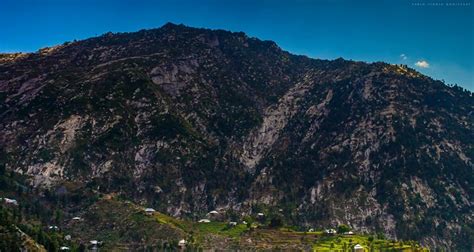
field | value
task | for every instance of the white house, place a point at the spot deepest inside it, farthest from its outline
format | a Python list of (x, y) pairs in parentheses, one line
[(63, 248), (213, 212), (182, 243), (10, 201), (233, 223), (358, 248), (76, 218), (204, 221), (149, 210), (260, 214), (349, 233)]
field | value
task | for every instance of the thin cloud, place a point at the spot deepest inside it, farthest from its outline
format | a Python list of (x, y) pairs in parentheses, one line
[(422, 64), (403, 56)]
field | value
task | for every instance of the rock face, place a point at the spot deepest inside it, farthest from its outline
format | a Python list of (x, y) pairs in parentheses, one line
[(192, 120)]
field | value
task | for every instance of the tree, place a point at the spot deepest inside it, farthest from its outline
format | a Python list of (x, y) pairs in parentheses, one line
[(276, 221), (381, 236), (343, 228), (57, 216)]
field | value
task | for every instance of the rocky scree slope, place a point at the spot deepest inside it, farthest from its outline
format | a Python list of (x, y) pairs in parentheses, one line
[(190, 120)]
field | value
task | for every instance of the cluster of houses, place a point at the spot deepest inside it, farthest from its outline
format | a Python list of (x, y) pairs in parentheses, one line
[(53, 228), (212, 214), (332, 231), (68, 237), (94, 244)]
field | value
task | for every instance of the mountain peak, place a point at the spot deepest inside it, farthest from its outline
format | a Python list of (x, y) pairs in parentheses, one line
[(170, 25)]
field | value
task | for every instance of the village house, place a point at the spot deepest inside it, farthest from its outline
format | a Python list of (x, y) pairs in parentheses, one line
[(149, 211), (95, 244), (9, 201), (182, 243), (358, 248)]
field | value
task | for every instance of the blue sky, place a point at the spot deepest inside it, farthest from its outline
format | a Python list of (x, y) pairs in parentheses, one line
[(438, 34)]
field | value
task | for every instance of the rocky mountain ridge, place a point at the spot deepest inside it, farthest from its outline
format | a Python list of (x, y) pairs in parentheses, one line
[(191, 120)]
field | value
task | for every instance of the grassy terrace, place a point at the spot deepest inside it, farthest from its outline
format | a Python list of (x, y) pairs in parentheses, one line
[(281, 238), (222, 229), (346, 242), (123, 226)]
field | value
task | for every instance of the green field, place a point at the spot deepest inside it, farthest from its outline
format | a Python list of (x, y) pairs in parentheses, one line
[(347, 242)]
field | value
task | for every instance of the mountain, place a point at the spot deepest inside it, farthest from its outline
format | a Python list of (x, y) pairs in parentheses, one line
[(189, 120)]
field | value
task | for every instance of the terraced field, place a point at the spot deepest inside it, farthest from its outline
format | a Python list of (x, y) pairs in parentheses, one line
[(117, 222)]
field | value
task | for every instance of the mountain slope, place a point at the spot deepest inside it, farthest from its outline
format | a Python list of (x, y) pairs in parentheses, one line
[(193, 119)]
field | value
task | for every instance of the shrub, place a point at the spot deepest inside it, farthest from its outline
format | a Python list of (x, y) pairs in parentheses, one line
[(343, 228)]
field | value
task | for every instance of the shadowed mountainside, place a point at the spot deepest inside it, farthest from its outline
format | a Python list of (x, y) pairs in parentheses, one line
[(191, 120)]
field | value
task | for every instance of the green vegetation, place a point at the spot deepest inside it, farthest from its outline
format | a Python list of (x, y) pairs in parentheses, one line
[(122, 225), (343, 228), (347, 242), (23, 225), (221, 228)]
